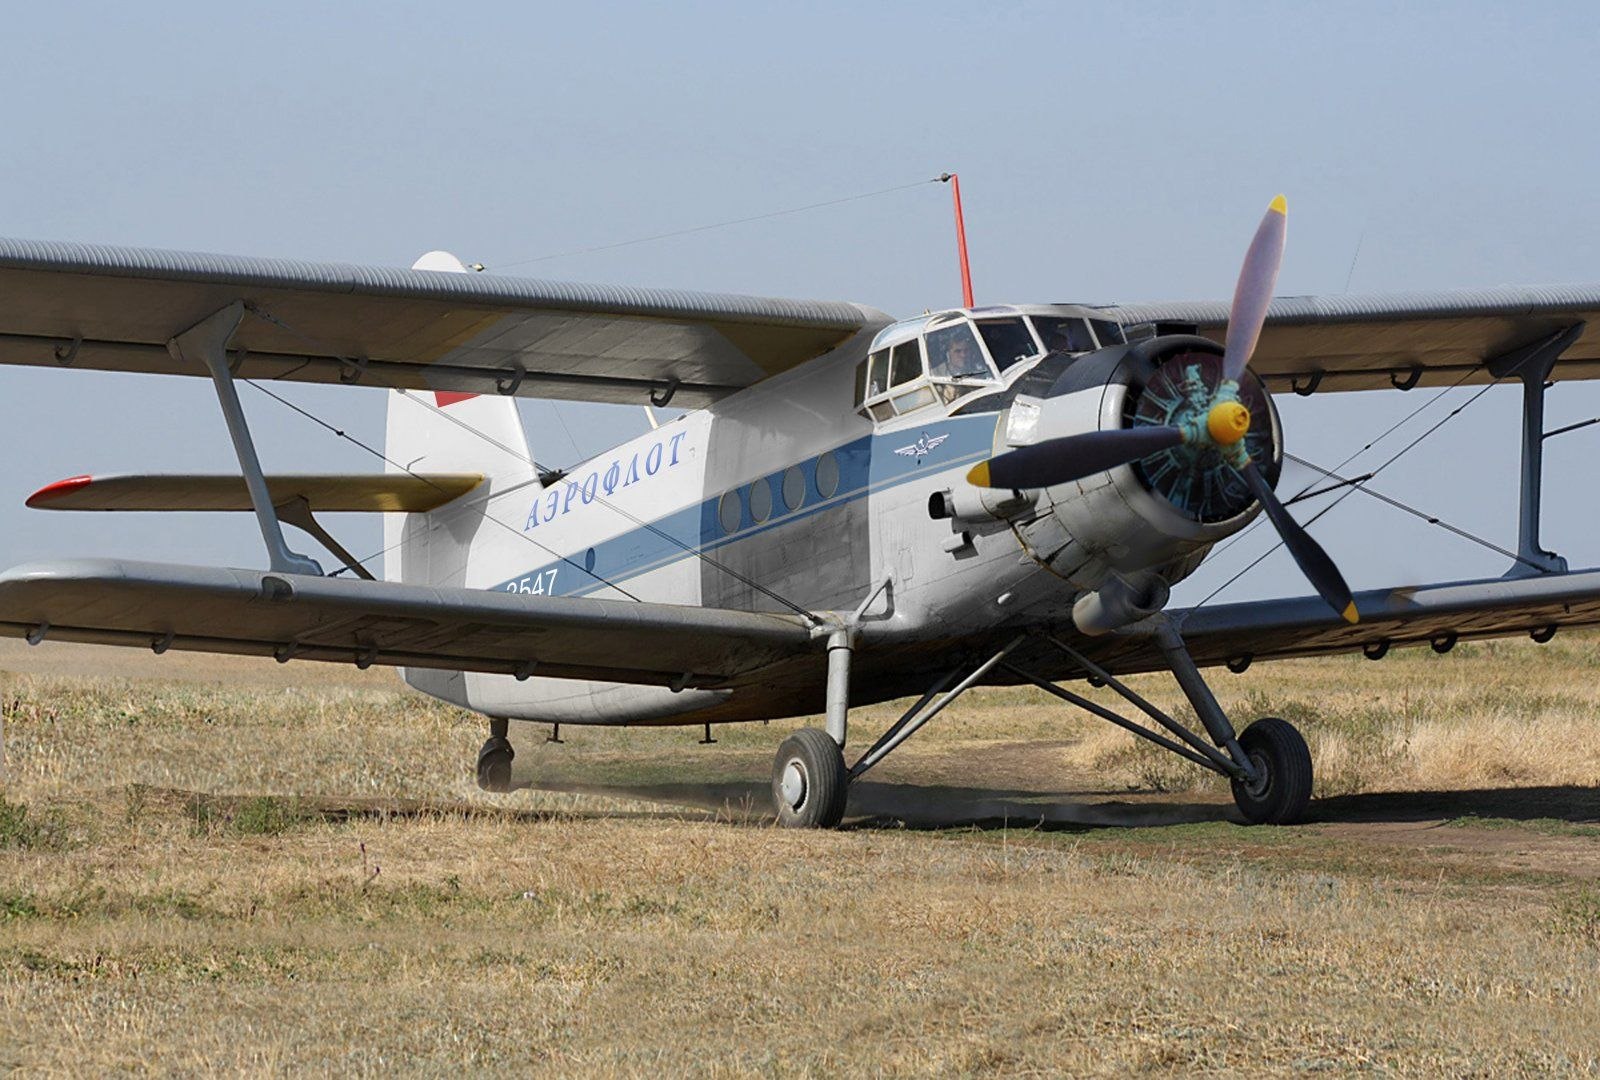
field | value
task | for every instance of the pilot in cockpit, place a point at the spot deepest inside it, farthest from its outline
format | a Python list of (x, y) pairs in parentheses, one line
[(956, 356)]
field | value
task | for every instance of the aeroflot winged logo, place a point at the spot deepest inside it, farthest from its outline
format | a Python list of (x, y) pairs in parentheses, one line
[(922, 447)]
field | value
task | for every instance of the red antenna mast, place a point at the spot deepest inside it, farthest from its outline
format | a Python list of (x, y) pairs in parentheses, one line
[(961, 238)]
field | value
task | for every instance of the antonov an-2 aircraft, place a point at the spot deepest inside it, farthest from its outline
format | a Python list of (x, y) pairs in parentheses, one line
[(855, 509)]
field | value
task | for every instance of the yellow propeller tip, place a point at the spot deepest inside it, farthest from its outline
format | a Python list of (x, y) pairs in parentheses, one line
[(1280, 205), (1350, 614), (978, 475)]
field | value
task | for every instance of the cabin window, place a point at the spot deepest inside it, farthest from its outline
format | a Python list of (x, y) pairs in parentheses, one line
[(760, 501), (728, 511), (1009, 341), (1109, 333), (1064, 335), (794, 487), (827, 475)]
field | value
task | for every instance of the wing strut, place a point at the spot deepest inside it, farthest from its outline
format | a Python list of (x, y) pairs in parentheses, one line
[(1532, 365), (297, 512), (207, 343)]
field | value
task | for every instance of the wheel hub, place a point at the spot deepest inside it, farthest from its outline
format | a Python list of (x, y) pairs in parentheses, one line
[(1263, 778), (794, 785)]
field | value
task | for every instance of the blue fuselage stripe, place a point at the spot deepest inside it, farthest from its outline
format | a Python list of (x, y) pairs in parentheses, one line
[(865, 465)]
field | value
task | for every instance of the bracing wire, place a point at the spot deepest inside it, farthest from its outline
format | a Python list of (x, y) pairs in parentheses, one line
[(1358, 483), (341, 433), (1306, 492), (528, 459), (1407, 448)]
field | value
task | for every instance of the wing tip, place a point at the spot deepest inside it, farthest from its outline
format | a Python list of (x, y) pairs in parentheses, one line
[(56, 490)]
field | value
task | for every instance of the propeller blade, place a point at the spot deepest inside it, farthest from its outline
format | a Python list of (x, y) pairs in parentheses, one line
[(1057, 461), (1257, 279), (1314, 562)]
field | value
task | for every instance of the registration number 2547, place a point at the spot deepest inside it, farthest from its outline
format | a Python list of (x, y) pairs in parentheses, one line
[(535, 584)]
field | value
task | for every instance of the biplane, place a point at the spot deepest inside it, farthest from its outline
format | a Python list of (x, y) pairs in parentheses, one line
[(853, 509)]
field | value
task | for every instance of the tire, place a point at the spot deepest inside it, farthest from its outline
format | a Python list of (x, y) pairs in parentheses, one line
[(1275, 747), (494, 765), (809, 783)]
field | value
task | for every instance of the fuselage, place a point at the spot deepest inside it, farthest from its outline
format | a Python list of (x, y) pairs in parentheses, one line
[(810, 490)]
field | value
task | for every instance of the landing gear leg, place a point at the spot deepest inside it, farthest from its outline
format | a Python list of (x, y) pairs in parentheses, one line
[(1268, 764), (809, 782), (494, 759)]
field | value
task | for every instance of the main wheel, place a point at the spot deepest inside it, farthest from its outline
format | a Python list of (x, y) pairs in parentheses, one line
[(809, 784), (1283, 790), (494, 764)]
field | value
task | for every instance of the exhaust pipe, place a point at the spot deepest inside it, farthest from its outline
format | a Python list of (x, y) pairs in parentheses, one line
[(1120, 602)]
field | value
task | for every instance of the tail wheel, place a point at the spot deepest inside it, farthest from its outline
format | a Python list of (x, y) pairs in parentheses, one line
[(1282, 789), (809, 783), (494, 764)]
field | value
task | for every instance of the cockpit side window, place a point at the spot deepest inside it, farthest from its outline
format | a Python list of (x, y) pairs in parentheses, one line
[(906, 363), (876, 378), (1064, 335), (953, 353), (1009, 341)]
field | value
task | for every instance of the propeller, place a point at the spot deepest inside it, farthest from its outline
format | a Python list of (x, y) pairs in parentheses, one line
[(1220, 426)]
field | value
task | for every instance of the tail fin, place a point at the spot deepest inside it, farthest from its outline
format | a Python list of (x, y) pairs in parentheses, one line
[(445, 431)]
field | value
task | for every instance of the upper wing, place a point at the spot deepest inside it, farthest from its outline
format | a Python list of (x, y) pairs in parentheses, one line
[(116, 308), (1274, 629), (357, 493), (1422, 338), (260, 613)]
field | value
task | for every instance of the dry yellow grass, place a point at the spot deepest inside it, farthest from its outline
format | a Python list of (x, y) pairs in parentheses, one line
[(256, 869)]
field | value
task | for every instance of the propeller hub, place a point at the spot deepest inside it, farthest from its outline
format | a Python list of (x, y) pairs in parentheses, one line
[(1227, 422)]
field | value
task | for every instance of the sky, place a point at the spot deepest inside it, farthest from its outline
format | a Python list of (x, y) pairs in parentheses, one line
[(1108, 152)]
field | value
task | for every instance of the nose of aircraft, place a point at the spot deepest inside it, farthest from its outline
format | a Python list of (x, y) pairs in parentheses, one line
[(1216, 424)]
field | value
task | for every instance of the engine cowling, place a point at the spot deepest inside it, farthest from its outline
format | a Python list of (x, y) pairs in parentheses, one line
[(1161, 514)]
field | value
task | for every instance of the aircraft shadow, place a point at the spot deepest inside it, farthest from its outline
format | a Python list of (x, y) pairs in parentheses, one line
[(919, 806), (934, 806), (1569, 803)]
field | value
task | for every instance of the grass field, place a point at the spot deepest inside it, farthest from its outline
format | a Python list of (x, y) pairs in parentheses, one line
[(221, 865)]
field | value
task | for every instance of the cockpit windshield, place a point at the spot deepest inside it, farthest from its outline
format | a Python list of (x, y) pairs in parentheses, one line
[(1009, 341), (953, 353), (1064, 335)]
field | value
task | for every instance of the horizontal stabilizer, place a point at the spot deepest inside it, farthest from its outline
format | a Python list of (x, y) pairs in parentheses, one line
[(292, 616), (366, 493)]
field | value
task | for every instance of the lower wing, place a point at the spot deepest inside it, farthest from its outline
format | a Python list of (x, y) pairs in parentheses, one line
[(1237, 634), (261, 613)]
